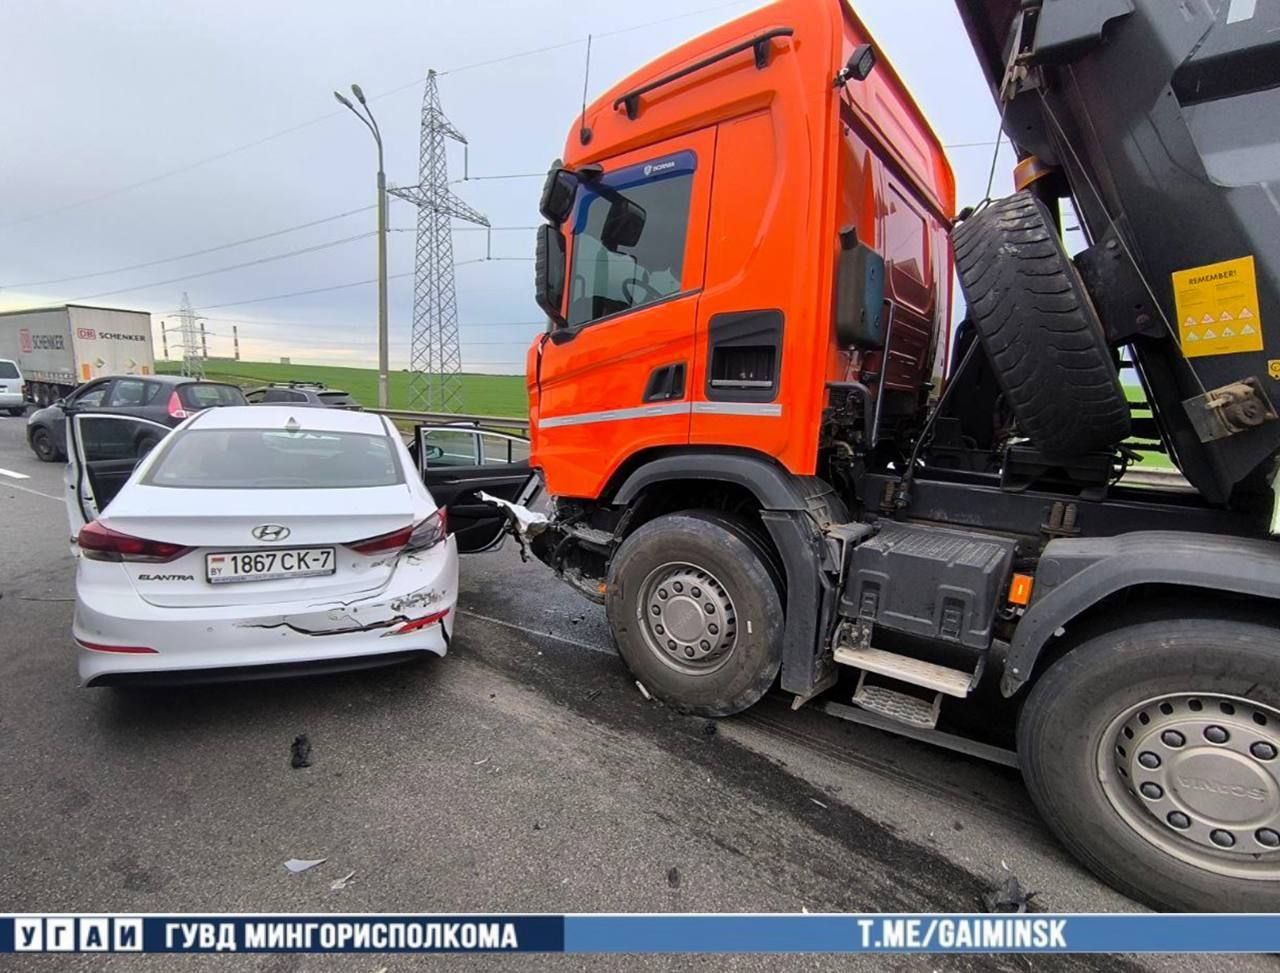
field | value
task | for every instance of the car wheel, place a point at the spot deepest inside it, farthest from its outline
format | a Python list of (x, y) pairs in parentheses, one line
[(43, 446), (1153, 751), (18, 411), (696, 612)]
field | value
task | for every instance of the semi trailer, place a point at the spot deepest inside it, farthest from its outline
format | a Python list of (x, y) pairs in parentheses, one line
[(58, 348), (775, 462)]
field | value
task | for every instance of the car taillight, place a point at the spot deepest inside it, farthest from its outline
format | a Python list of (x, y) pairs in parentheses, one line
[(176, 408), (417, 537), (99, 543)]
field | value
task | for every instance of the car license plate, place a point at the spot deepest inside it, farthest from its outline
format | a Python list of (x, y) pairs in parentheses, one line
[(308, 562)]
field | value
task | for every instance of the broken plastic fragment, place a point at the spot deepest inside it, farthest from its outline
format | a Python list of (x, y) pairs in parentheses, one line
[(643, 692), (300, 752), (1010, 896), (528, 522), (338, 884), (296, 865), (523, 523)]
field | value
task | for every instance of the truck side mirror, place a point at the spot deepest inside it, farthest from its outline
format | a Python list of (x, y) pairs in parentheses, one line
[(549, 272), (623, 224), (557, 194)]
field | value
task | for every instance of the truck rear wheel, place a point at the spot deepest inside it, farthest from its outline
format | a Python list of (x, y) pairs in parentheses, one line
[(1038, 327), (696, 612), (1153, 751)]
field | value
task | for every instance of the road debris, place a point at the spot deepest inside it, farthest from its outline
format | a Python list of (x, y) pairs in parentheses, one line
[(297, 865), (300, 752), (818, 802), (709, 728), (673, 877), (522, 522), (643, 692), (338, 884), (480, 763), (1009, 896)]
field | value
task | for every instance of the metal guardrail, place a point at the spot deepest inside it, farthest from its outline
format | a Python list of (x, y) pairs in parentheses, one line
[(452, 418)]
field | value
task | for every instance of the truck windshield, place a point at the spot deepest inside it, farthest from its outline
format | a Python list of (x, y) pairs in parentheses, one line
[(604, 281)]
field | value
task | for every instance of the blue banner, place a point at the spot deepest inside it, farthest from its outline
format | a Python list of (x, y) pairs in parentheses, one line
[(705, 933)]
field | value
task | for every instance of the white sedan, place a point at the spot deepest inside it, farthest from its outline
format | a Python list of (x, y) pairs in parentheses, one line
[(263, 540)]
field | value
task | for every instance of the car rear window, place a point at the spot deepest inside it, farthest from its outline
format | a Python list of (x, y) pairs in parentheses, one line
[(206, 395), (336, 398), (273, 459), (8, 370)]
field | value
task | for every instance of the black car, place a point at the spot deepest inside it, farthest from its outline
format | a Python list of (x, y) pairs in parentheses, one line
[(163, 399), (301, 393)]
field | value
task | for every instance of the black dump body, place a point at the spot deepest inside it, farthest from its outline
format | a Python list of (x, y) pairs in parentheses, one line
[(1162, 118)]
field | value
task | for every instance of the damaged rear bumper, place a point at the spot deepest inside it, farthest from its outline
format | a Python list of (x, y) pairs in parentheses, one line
[(125, 639)]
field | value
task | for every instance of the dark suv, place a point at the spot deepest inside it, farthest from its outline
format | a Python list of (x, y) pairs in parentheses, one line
[(165, 399), (301, 393)]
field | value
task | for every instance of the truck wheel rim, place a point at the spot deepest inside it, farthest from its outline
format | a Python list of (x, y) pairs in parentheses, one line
[(687, 617), (1198, 775)]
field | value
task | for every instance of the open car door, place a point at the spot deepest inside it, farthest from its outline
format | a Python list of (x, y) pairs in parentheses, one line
[(102, 451), (457, 462)]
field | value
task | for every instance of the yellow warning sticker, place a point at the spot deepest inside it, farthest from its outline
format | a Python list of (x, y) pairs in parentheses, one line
[(1217, 308), (1273, 369)]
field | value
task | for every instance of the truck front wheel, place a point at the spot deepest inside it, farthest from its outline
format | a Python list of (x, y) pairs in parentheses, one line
[(696, 612), (1153, 751)]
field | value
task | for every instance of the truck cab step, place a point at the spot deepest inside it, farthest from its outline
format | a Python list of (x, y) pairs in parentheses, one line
[(898, 706), (940, 679)]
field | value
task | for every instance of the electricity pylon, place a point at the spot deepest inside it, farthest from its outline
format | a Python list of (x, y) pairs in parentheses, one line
[(435, 355), (192, 343)]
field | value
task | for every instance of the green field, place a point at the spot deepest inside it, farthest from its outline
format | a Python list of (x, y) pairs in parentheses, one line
[(487, 395)]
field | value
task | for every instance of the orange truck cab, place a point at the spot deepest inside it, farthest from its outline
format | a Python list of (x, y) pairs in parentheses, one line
[(751, 175), (773, 462)]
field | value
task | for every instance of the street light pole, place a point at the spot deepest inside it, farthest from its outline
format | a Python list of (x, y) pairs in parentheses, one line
[(383, 350)]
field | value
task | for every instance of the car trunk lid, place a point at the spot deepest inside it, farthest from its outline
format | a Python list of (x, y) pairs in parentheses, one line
[(219, 522)]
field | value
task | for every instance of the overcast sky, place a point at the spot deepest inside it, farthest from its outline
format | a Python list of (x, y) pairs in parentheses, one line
[(101, 97)]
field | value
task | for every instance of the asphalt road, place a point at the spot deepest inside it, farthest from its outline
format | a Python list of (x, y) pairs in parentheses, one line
[(524, 772)]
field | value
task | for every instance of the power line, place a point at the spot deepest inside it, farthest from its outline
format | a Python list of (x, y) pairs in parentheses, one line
[(359, 324), (193, 253), (223, 270), (217, 157), (170, 172), (280, 297), (513, 175)]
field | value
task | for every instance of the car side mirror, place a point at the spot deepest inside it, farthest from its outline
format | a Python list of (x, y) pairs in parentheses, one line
[(623, 224), (549, 272), (557, 194)]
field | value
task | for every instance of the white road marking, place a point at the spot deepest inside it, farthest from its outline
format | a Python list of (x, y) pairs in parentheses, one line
[(16, 476), (49, 496), (534, 632)]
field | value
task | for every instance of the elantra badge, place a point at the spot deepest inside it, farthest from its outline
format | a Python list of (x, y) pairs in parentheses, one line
[(270, 532)]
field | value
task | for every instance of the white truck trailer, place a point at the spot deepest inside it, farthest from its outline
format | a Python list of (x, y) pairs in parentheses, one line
[(58, 348)]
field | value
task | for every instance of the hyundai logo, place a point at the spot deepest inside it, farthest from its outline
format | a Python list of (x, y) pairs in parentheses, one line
[(270, 532)]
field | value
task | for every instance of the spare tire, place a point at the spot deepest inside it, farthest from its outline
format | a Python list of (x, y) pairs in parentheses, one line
[(1039, 329)]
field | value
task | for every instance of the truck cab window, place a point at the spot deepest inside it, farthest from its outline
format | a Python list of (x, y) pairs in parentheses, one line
[(607, 279)]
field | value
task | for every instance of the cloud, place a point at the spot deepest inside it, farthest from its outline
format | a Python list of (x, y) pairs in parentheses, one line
[(114, 94)]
